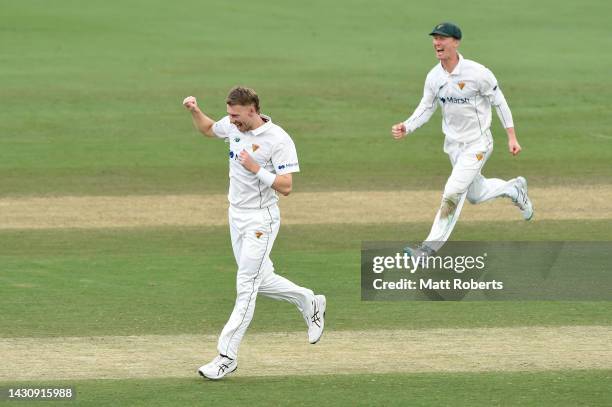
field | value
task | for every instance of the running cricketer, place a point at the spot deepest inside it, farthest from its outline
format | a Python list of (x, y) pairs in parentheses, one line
[(465, 91), (262, 160)]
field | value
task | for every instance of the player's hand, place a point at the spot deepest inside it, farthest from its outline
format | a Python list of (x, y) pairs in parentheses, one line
[(190, 103), (398, 131), (247, 162), (514, 147)]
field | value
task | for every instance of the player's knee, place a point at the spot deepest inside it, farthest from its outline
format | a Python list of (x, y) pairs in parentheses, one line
[(451, 197), (448, 206), (453, 191)]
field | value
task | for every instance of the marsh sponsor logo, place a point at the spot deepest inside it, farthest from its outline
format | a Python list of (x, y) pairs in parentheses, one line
[(457, 101), (290, 165)]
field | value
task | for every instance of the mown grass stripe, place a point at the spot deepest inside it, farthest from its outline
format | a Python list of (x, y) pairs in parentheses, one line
[(339, 352)]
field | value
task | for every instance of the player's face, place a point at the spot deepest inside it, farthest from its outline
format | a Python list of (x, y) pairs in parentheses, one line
[(445, 47), (242, 116)]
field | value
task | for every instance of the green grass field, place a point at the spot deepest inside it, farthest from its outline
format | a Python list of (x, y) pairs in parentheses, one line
[(506, 389), (90, 105), (91, 95)]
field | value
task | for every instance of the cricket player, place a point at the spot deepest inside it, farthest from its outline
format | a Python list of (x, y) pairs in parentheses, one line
[(465, 91), (262, 160)]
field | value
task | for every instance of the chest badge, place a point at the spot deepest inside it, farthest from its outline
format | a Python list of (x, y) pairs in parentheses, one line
[(255, 147), (237, 139), (479, 156), (461, 85)]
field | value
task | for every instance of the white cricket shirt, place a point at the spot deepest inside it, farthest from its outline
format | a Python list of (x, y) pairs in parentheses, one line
[(270, 146), (465, 97)]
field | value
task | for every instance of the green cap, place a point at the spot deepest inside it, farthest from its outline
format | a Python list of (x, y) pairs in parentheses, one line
[(447, 30)]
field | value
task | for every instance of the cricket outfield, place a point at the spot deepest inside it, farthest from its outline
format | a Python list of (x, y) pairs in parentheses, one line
[(116, 268)]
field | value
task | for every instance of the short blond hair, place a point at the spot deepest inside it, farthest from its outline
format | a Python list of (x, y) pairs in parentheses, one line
[(243, 96)]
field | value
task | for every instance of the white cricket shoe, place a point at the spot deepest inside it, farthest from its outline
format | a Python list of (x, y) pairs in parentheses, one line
[(316, 319), (219, 367), (522, 200)]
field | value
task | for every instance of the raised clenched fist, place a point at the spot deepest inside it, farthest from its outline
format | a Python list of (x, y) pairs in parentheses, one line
[(190, 103)]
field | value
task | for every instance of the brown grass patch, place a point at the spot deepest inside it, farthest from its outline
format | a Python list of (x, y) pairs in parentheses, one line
[(341, 352), (300, 208)]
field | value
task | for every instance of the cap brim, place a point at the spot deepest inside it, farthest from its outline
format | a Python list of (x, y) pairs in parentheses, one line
[(436, 32)]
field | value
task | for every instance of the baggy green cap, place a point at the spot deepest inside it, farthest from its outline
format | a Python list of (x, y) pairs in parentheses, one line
[(447, 30)]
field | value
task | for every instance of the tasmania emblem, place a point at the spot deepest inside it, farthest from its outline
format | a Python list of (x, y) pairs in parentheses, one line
[(461, 85), (255, 147), (258, 234), (479, 156)]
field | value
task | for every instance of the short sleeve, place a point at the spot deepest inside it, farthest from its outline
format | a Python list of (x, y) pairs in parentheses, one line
[(221, 128), (284, 157)]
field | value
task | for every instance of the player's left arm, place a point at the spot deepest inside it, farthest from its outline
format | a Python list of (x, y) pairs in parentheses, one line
[(284, 159), (490, 89), (281, 183)]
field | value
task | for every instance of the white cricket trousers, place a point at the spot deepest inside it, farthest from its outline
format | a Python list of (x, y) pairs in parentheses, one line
[(466, 181), (253, 232)]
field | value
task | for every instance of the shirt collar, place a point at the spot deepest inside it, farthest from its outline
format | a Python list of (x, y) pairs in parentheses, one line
[(457, 70), (263, 127)]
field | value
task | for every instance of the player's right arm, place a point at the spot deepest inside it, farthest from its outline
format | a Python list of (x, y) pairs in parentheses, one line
[(200, 121), (421, 115)]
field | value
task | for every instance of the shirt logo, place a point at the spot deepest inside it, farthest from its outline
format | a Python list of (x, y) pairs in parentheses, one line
[(282, 166), (458, 101), (258, 234), (461, 85), (255, 147), (237, 139), (233, 156), (479, 156)]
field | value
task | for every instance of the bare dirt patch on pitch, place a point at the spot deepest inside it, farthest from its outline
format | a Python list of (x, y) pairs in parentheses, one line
[(354, 207), (341, 352)]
